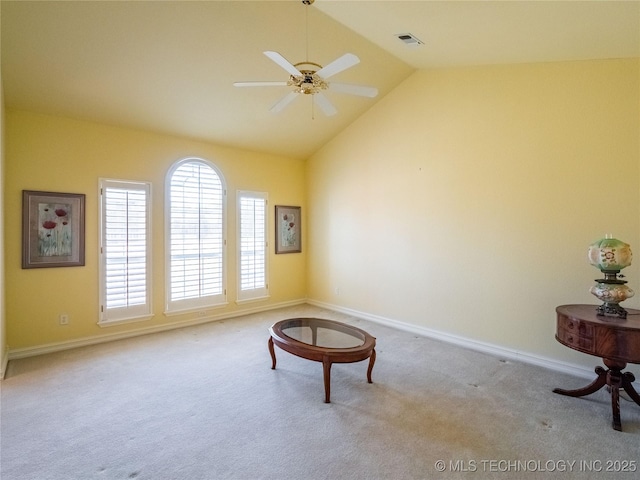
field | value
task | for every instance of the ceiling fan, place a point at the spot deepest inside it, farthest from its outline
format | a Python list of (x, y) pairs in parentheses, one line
[(310, 78)]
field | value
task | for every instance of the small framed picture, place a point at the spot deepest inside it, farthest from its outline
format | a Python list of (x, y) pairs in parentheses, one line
[(288, 229), (52, 229)]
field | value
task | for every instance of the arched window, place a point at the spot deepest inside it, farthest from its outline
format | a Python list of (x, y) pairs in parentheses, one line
[(195, 236)]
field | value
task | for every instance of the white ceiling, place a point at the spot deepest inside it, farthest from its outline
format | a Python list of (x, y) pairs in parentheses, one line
[(169, 66)]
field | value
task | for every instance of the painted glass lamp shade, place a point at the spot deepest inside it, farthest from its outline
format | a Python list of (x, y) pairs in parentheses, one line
[(611, 255)]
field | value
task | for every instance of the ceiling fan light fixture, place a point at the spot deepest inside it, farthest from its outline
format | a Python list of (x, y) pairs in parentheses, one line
[(308, 82)]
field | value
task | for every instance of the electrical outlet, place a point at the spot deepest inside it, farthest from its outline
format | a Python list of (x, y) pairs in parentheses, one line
[(63, 319)]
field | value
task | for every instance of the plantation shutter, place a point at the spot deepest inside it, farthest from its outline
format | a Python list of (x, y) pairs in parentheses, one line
[(196, 237), (125, 250), (252, 208)]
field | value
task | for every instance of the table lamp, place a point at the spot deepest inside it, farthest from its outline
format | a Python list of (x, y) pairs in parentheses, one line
[(611, 255)]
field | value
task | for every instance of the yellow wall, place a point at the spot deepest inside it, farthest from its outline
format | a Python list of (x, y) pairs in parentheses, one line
[(62, 155), (465, 200)]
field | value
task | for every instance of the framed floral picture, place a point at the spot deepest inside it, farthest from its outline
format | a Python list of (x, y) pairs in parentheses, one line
[(288, 232), (52, 229)]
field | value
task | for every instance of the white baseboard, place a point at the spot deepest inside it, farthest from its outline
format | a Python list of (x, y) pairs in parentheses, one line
[(495, 350), (14, 354)]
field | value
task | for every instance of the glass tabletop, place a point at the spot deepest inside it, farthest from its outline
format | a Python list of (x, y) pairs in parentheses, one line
[(322, 333)]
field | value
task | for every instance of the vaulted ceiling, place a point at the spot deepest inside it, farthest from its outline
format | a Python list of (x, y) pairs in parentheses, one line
[(169, 66)]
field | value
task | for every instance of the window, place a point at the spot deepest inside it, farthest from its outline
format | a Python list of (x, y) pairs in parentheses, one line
[(252, 245), (195, 236), (125, 251)]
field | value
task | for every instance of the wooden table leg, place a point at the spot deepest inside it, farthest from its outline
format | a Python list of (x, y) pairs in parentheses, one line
[(273, 354), (372, 360), (326, 368), (597, 384), (612, 378), (627, 384)]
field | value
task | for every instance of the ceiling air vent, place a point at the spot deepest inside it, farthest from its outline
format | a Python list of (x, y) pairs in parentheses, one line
[(409, 39)]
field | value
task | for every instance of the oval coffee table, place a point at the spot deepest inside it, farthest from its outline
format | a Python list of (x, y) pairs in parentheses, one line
[(325, 341)]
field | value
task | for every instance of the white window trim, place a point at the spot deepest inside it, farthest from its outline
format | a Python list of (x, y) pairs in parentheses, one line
[(253, 295), (201, 304), (128, 314)]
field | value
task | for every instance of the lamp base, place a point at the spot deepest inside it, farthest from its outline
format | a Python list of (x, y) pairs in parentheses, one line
[(611, 292), (611, 310)]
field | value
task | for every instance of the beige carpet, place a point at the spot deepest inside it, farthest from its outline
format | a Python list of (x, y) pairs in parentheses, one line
[(203, 403)]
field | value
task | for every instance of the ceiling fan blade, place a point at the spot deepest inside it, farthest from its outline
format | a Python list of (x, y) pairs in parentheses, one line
[(338, 65), (283, 62), (360, 90), (325, 105), (283, 102), (260, 84)]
